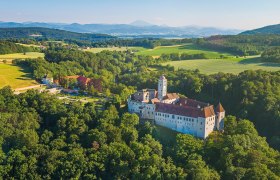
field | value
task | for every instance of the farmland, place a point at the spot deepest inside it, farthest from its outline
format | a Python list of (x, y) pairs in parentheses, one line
[(97, 50), (10, 57), (15, 76), (234, 65), (187, 48)]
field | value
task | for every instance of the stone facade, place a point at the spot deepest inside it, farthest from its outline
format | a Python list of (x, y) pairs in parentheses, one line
[(183, 115)]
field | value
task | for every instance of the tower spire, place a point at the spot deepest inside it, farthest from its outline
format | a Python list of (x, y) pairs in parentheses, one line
[(162, 87)]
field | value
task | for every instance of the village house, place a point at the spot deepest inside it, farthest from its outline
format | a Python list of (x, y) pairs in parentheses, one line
[(84, 82), (47, 80), (183, 115)]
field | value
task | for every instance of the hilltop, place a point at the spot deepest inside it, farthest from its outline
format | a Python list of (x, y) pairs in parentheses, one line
[(272, 29), (46, 33)]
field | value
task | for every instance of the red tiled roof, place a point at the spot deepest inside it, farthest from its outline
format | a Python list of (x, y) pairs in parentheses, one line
[(155, 100), (220, 108), (192, 103), (83, 80), (97, 84), (171, 96), (185, 110)]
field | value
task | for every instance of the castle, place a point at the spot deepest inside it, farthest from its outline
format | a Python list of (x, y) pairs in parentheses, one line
[(183, 115)]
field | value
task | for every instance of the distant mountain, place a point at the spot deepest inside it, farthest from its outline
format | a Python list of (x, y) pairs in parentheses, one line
[(273, 29), (39, 32), (140, 23), (135, 29)]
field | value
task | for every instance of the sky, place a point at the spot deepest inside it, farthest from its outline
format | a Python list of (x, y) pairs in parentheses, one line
[(231, 14)]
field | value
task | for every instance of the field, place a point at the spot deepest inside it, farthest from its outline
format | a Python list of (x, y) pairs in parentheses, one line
[(28, 45), (15, 76), (97, 50), (10, 57), (234, 65), (187, 48)]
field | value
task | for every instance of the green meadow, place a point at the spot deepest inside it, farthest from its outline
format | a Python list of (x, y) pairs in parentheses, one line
[(10, 57), (231, 65), (15, 76), (187, 48), (97, 50)]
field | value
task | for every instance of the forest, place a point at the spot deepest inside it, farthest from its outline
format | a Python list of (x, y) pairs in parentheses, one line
[(7, 47), (271, 55), (242, 45), (42, 138)]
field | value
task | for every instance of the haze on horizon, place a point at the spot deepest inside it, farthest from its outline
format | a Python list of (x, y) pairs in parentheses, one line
[(237, 14)]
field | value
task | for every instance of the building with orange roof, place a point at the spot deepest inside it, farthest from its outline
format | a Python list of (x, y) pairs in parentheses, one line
[(183, 115), (84, 82)]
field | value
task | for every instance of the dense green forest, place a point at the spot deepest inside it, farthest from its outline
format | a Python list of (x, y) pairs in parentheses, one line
[(242, 45), (42, 138), (7, 47), (271, 55), (45, 33)]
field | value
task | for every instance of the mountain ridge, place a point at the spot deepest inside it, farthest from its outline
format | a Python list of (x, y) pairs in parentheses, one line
[(136, 28)]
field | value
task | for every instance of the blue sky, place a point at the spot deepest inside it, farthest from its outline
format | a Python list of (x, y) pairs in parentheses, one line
[(238, 14)]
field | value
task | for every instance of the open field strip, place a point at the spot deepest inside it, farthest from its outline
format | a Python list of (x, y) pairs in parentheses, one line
[(97, 50), (186, 48), (235, 66), (28, 45), (14, 76), (10, 57)]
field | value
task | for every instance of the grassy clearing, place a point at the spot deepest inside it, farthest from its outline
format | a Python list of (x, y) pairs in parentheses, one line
[(97, 50), (14, 76), (10, 57), (28, 45), (235, 66), (187, 48)]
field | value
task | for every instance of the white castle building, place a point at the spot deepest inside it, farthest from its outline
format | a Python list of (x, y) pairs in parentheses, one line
[(183, 115)]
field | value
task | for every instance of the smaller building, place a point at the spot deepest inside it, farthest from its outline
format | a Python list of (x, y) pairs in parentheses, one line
[(84, 82), (47, 80)]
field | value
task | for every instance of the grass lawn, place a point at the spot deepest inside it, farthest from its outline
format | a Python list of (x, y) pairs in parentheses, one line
[(28, 45), (187, 48), (14, 76), (234, 65), (10, 57), (97, 50)]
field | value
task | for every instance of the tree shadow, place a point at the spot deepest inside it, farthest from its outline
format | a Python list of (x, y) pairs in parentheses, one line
[(258, 61), (27, 72), (197, 47)]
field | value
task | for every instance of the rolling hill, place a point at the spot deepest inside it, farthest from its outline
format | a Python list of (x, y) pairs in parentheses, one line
[(273, 29), (39, 32), (137, 28)]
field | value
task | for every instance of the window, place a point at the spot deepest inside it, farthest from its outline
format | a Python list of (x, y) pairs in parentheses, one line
[(173, 117)]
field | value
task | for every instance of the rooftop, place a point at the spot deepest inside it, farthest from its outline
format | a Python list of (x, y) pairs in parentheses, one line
[(185, 110)]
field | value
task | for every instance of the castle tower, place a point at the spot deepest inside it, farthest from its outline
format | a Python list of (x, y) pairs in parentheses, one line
[(162, 87), (220, 115)]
